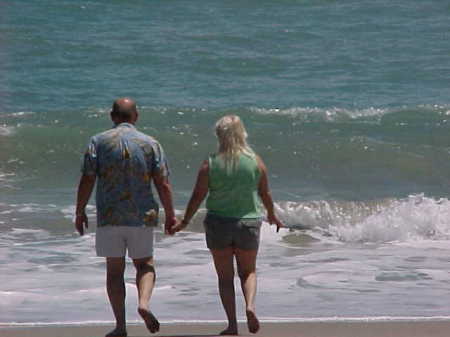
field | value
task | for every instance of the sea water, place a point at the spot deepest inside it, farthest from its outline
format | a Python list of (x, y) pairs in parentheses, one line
[(347, 102)]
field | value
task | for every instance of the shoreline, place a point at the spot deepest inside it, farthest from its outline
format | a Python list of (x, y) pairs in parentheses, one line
[(269, 320), (438, 327)]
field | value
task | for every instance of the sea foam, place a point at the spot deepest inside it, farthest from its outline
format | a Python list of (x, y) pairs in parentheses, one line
[(414, 218)]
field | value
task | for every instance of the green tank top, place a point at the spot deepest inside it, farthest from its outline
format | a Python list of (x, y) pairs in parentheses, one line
[(234, 194)]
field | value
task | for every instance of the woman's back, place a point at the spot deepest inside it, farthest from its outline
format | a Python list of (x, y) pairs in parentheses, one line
[(233, 192)]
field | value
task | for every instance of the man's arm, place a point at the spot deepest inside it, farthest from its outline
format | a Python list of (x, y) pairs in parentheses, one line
[(164, 189), (85, 187), (198, 195)]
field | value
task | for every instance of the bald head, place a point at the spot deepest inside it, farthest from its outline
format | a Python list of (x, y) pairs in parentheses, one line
[(124, 110)]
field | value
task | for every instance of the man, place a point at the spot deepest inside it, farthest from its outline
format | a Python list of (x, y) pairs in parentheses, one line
[(124, 162)]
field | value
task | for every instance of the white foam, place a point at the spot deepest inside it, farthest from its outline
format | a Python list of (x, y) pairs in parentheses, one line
[(27, 209), (7, 130), (330, 115), (27, 231), (4, 176), (163, 288), (414, 218), (6, 179), (20, 114), (69, 211)]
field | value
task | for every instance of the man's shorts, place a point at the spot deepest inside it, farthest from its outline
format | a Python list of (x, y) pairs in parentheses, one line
[(222, 232), (114, 241)]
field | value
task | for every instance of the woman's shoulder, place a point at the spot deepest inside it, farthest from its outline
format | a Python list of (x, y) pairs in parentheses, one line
[(204, 167), (251, 156), (260, 163)]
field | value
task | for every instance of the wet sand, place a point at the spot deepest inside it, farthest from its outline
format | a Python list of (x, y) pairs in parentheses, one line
[(281, 329)]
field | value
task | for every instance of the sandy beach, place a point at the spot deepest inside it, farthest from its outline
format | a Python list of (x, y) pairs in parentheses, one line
[(302, 329)]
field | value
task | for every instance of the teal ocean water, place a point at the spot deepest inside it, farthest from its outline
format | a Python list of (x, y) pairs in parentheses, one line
[(348, 103)]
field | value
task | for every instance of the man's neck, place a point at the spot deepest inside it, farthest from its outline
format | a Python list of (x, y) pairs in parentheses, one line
[(124, 122)]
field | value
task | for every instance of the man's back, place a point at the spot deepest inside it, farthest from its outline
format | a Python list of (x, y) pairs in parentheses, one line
[(124, 161)]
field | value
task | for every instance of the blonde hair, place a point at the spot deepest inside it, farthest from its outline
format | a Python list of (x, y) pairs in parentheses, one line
[(232, 136)]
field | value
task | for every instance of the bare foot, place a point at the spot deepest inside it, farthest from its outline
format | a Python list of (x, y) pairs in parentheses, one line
[(150, 321), (117, 333), (252, 321), (229, 332)]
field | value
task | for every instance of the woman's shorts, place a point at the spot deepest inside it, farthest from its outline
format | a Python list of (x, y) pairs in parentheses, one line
[(114, 241), (222, 232)]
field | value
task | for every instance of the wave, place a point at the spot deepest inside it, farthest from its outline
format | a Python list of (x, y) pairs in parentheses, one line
[(414, 218), (348, 153), (321, 114), (423, 113)]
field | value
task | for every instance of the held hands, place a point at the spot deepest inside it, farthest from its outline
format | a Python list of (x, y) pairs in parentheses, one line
[(81, 222), (170, 224), (180, 225)]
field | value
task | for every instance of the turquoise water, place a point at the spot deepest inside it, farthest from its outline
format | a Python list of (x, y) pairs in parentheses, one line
[(348, 102), (351, 94)]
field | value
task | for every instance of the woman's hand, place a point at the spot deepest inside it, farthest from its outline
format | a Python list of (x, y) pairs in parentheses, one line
[(273, 220)]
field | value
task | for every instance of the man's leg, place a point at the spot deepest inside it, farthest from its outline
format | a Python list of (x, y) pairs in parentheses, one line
[(223, 261), (115, 285), (145, 281), (246, 264)]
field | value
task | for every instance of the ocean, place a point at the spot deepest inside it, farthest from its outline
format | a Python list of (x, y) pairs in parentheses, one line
[(347, 102)]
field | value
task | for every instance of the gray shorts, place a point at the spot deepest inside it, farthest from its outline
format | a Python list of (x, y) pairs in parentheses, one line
[(222, 232), (114, 241)]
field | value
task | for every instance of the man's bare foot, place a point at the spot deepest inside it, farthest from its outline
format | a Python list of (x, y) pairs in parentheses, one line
[(117, 333), (229, 332), (150, 321), (252, 321)]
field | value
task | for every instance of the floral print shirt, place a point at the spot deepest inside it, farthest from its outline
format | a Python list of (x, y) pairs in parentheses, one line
[(124, 161)]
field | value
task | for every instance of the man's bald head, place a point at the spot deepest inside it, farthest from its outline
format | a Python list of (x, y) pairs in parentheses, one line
[(124, 110)]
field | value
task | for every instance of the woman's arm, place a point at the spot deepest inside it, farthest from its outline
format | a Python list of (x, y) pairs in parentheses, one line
[(198, 195), (266, 197)]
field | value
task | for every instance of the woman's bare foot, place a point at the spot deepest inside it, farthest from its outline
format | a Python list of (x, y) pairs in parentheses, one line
[(117, 333), (252, 321), (150, 321), (230, 331)]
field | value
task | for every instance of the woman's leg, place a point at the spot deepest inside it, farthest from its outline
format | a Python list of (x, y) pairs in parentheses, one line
[(246, 264), (223, 261)]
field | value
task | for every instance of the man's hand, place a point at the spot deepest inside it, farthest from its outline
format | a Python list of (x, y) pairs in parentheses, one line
[(170, 224), (81, 222), (85, 188)]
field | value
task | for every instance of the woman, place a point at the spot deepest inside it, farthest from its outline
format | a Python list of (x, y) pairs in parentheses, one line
[(235, 180)]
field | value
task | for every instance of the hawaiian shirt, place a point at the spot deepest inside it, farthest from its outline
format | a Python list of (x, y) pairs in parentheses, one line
[(124, 161)]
